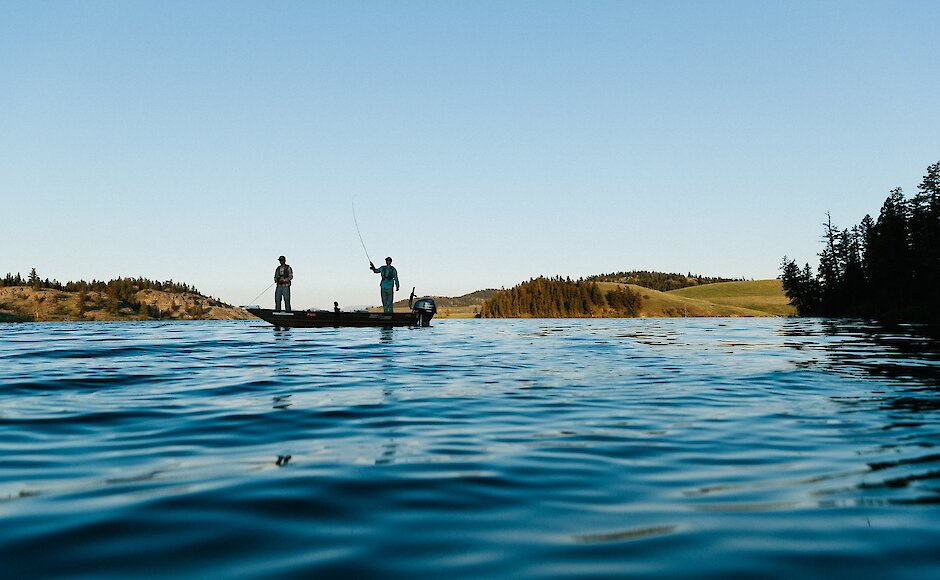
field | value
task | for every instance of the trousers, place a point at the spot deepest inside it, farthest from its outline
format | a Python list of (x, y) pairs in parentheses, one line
[(388, 296), (279, 293)]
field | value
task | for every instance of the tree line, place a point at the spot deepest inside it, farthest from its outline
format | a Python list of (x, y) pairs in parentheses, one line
[(662, 281), (887, 267), (122, 286), (561, 298), (116, 294)]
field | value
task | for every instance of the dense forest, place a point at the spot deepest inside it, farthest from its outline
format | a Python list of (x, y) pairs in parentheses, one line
[(886, 268), (560, 298), (662, 281)]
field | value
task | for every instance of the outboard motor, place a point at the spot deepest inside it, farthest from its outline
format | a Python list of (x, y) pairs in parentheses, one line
[(422, 311)]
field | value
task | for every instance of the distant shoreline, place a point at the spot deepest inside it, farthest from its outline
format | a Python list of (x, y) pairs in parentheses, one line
[(27, 304), (754, 299)]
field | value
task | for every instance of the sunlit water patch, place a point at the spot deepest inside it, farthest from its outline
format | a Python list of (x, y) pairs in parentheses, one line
[(478, 448)]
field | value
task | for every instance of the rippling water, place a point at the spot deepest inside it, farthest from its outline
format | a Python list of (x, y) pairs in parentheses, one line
[(477, 448)]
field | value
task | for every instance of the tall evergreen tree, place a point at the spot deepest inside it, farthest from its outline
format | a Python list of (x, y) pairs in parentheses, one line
[(925, 229), (889, 253), (884, 267), (830, 270)]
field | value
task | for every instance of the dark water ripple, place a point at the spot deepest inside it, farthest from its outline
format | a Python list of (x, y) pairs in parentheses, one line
[(534, 448)]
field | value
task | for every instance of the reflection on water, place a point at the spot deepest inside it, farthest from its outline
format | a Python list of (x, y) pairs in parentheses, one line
[(902, 352), (479, 448)]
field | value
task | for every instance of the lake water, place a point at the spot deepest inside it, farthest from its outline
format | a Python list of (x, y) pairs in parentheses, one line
[(473, 449)]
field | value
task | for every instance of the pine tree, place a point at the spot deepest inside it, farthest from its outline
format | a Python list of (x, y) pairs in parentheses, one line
[(925, 230), (887, 267), (889, 249), (81, 300)]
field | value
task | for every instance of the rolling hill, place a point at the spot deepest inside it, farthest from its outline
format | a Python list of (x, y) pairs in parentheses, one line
[(755, 298), (658, 304), (760, 295)]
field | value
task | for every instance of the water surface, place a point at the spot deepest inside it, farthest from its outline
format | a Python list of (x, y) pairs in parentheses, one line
[(475, 448)]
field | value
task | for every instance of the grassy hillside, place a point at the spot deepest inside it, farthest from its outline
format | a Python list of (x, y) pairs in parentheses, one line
[(658, 304), (761, 295), (741, 298), (22, 303)]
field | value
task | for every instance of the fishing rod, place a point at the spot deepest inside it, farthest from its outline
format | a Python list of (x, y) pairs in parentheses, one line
[(357, 229), (356, 221), (262, 294)]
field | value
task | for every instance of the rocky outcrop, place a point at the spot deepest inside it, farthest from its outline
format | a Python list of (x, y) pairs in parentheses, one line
[(21, 303)]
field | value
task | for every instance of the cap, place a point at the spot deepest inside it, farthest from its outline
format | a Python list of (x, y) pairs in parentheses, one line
[(281, 258)]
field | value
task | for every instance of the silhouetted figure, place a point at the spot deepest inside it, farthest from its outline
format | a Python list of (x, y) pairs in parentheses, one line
[(283, 275)]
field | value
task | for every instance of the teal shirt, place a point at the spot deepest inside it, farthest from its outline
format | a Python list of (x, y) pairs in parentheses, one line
[(389, 276)]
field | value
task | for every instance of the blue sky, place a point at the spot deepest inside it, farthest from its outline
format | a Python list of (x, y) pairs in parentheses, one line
[(484, 142)]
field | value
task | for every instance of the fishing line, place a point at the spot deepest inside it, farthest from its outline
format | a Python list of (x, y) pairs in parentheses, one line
[(262, 294), (357, 230)]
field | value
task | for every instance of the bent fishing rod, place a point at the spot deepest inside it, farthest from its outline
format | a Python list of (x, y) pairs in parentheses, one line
[(356, 221)]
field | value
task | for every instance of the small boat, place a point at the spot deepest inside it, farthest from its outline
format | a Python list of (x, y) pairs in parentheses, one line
[(422, 311)]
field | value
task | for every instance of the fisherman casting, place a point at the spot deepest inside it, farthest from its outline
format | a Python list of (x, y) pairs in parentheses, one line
[(389, 280)]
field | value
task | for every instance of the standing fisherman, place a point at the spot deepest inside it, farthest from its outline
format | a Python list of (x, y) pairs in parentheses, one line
[(389, 279), (282, 276)]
